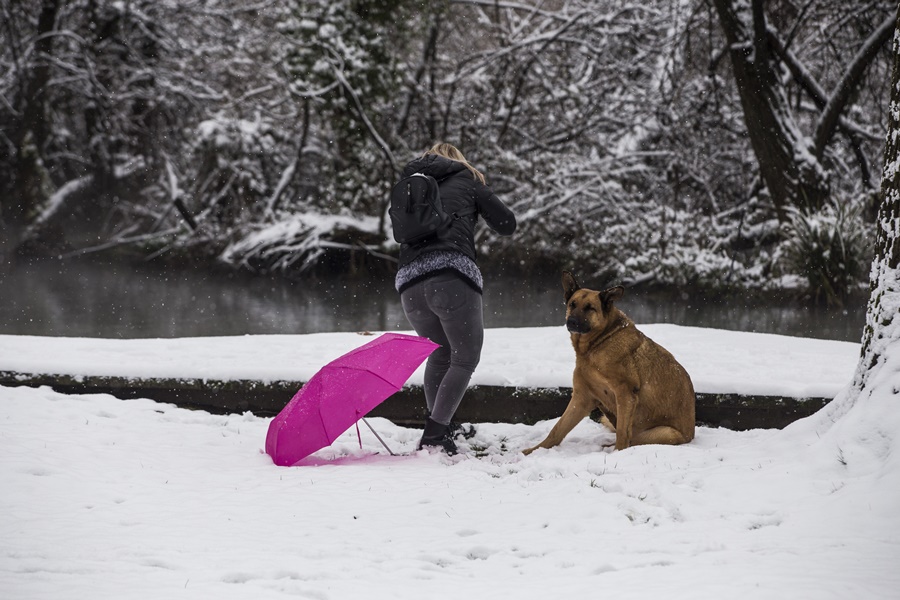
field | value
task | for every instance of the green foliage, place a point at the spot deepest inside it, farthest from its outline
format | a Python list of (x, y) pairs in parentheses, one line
[(830, 248)]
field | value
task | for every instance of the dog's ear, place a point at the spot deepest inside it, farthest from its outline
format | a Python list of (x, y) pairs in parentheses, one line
[(608, 296), (570, 286)]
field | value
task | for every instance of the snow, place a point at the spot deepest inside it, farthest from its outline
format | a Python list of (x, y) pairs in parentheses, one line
[(59, 199), (105, 498), (719, 361), (293, 238)]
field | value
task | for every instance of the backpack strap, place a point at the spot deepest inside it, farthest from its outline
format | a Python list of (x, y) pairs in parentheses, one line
[(471, 210)]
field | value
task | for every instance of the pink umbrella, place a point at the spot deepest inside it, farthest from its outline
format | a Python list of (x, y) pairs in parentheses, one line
[(343, 392)]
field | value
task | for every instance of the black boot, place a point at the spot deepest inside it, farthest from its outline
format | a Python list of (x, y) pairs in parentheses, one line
[(437, 435)]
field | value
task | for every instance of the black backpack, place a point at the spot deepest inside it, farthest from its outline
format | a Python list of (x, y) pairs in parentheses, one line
[(417, 213)]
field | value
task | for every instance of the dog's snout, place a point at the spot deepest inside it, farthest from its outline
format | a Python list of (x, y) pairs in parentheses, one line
[(577, 325)]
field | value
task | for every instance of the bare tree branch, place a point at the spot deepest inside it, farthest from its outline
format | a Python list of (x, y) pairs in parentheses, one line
[(853, 74), (361, 111)]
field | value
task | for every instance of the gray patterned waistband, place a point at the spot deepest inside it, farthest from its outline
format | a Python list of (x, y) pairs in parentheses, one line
[(439, 260)]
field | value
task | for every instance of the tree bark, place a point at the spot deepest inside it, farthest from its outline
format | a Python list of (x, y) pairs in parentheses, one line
[(786, 158), (882, 333)]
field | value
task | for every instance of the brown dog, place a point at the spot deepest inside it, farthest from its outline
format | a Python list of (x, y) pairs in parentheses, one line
[(646, 397)]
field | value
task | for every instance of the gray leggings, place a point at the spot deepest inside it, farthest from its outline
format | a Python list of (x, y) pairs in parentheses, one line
[(447, 311)]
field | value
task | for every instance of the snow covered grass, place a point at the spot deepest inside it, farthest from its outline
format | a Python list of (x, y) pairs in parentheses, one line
[(104, 498)]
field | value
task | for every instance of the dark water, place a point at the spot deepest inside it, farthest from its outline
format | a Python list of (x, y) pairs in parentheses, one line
[(80, 298)]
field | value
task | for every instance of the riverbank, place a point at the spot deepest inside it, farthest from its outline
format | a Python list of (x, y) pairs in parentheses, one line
[(743, 380)]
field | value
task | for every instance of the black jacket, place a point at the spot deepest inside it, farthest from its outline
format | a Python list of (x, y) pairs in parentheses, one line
[(459, 190)]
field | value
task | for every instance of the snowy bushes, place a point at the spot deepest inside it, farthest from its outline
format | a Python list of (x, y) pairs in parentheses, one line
[(231, 156), (613, 217)]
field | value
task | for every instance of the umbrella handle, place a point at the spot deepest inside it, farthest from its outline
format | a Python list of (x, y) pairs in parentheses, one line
[(376, 435)]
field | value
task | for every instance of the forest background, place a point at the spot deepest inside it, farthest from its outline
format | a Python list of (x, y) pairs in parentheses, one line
[(713, 144)]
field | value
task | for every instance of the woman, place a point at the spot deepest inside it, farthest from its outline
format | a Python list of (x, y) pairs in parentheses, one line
[(440, 286)]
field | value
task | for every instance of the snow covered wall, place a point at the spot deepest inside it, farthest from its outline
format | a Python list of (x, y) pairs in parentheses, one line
[(719, 361)]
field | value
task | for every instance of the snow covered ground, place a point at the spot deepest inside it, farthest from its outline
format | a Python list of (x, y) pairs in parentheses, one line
[(104, 498)]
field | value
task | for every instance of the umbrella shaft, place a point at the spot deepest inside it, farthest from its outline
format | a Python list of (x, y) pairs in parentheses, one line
[(379, 438)]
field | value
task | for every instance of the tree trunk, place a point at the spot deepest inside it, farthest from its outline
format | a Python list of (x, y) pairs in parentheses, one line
[(863, 421), (34, 109), (882, 333), (33, 185), (786, 158)]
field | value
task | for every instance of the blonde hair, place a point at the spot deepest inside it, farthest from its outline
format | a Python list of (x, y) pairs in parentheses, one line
[(452, 152)]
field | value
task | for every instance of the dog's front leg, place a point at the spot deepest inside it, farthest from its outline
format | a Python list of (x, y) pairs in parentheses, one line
[(626, 403), (579, 407)]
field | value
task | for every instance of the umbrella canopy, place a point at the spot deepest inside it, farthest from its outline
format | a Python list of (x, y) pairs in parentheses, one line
[(341, 393)]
